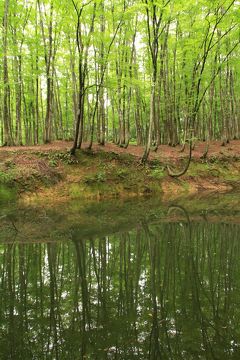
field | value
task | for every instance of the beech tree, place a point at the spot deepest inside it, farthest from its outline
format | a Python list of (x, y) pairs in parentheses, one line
[(7, 123), (83, 53), (155, 28)]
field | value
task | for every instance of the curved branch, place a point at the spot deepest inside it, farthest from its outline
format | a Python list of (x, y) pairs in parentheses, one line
[(182, 172)]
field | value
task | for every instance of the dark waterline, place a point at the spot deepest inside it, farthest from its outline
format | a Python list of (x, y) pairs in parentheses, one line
[(163, 284)]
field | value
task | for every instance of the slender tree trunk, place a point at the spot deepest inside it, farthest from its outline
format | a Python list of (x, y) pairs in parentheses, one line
[(8, 138), (151, 121)]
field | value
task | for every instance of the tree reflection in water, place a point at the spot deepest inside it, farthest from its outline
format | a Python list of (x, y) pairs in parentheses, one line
[(165, 291)]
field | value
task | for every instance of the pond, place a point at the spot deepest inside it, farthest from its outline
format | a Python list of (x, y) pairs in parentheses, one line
[(87, 281)]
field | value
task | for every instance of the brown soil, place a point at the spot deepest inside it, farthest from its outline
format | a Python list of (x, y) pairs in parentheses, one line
[(164, 152)]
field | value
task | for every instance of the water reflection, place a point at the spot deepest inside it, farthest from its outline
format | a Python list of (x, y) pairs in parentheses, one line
[(163, 291)]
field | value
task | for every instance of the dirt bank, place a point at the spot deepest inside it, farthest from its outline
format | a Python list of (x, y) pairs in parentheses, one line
[(110, 171)]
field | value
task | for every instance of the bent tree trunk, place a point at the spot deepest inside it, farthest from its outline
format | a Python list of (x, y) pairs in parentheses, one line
[(185, 169)]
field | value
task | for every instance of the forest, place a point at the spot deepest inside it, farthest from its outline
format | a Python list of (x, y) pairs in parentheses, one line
[(119, 179), (144, 72)]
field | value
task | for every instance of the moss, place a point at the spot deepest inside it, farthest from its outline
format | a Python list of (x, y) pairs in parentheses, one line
[(157, 173), (197, 169), (6, 177), (219, 169), (6, 194)]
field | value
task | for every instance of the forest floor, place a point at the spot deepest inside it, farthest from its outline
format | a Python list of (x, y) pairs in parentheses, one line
[(110, 171), (164, 152)]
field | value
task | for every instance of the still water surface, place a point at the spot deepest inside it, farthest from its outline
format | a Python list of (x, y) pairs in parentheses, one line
[(157, 288)]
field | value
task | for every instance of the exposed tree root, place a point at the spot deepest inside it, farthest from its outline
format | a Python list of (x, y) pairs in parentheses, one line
[(182, 172)]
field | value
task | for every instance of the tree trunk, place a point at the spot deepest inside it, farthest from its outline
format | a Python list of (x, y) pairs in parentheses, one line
[(8, 138)]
